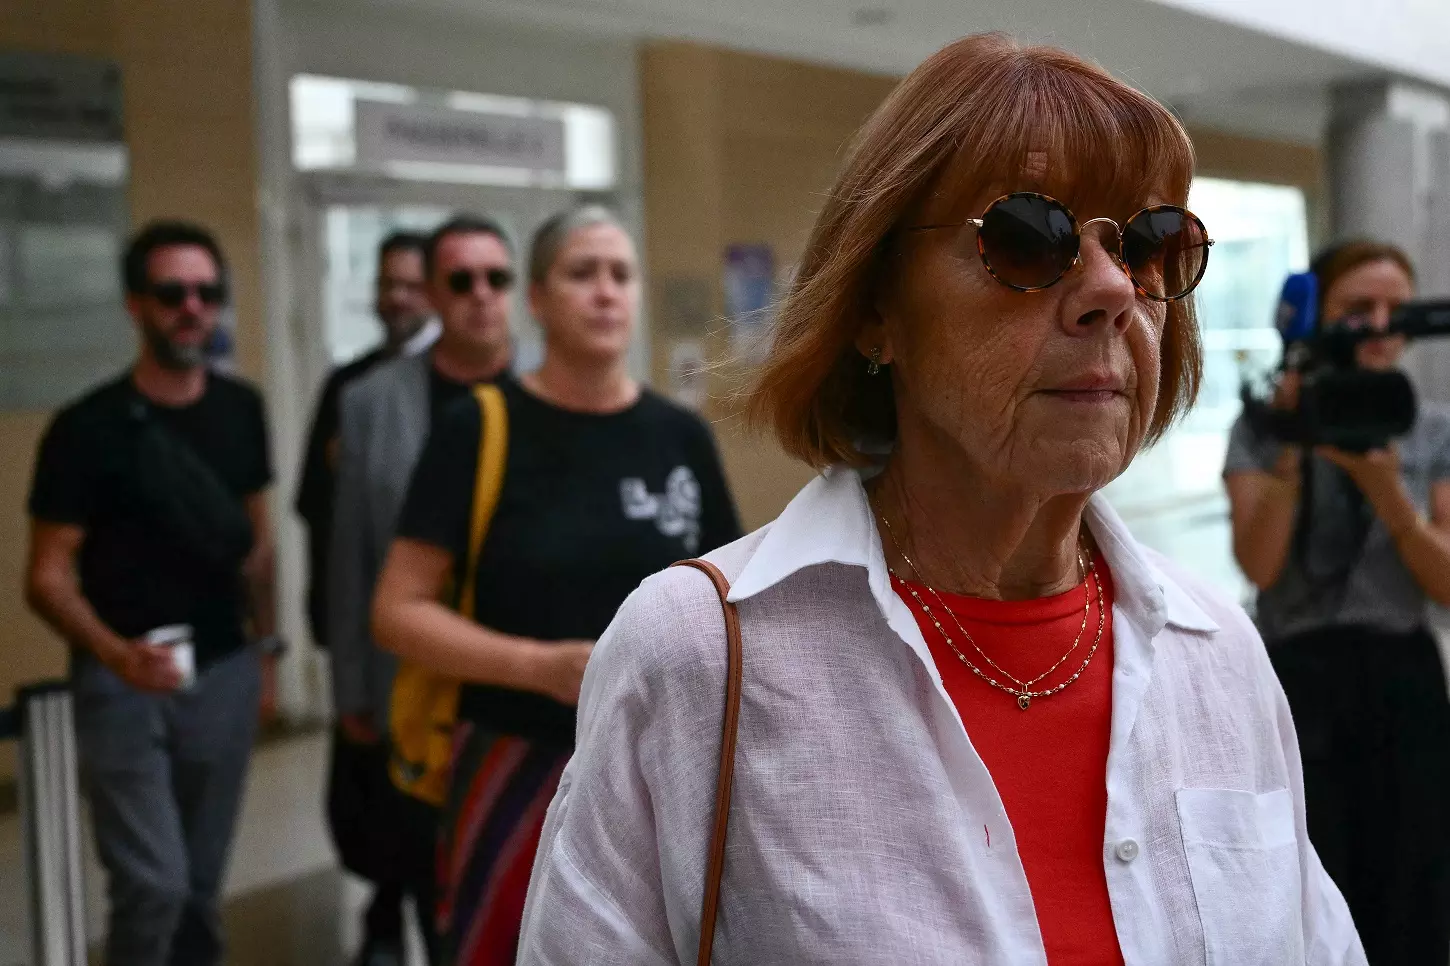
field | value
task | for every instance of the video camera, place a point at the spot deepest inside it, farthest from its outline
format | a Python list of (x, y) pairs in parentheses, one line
[(1340, 404)]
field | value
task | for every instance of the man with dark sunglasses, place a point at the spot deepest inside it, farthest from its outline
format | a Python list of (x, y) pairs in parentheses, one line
[(151, 555), (386, 417)]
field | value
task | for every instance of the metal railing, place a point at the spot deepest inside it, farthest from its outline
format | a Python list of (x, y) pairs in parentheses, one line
[(43, 724)]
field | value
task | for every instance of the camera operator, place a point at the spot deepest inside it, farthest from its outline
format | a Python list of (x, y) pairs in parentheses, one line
[(1345, 550)]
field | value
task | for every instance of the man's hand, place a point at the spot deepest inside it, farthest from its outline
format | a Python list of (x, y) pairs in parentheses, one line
[(145, 667), (1377, 474), (358, 728), (267, 706), (561, 669)]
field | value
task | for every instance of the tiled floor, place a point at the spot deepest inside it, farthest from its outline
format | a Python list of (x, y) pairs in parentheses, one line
[(287, 903)]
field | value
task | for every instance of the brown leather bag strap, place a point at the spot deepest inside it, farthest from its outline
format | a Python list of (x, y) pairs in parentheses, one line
[(730, 727)]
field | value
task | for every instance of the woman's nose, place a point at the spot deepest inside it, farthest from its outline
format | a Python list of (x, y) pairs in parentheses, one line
[(1105, 292), (1379, 317)]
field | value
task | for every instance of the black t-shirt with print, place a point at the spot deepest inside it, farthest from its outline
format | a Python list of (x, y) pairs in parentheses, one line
[(590, 506), (132, 571)]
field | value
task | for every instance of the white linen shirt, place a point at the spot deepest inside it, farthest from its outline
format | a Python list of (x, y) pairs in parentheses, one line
[(864, 827)]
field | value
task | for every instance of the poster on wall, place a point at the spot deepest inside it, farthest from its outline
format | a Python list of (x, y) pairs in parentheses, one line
[(749, 297)]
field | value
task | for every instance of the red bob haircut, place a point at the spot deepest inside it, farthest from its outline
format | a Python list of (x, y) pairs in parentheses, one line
[(971, 122)]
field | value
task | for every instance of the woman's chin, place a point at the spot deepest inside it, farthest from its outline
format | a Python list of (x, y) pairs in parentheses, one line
[(1079, 465)]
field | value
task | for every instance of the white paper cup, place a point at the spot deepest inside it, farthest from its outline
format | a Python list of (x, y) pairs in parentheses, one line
[(177, 637)]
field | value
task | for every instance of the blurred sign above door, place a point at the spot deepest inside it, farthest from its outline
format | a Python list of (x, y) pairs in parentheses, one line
[(59, 97), (434, 134)]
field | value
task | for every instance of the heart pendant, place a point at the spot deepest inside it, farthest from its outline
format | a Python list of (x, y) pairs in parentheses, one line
[(1024, 701)]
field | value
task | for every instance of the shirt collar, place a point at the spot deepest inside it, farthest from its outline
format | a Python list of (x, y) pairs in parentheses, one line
[(830, 521), (422, 340)]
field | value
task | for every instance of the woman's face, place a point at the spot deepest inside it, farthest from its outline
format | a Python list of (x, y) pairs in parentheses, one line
[(1052, 391), (1369, 294), (588, 302)]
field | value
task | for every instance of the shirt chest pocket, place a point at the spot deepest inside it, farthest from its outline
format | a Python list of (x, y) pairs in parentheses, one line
[(1243, 857)]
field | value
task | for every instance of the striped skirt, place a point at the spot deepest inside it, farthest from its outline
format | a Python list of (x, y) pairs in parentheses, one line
[(501, 788)]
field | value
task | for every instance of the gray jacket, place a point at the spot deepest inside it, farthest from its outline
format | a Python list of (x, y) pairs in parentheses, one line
[(385, 422)]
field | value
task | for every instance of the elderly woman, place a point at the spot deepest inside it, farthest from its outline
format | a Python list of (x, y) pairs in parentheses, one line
[(980, 723)]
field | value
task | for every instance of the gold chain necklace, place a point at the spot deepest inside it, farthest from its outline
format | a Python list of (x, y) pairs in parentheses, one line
[(1023, 692)]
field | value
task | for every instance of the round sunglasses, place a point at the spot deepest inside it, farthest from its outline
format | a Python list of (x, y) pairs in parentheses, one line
[(1029, 241)]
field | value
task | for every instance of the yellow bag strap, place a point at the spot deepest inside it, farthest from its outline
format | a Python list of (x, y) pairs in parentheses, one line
[(492, 453)]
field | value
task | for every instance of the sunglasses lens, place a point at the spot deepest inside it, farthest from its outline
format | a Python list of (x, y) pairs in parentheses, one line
[(212, 295), (1166, 250), (170, 294), (460, 282), (1027, 240)]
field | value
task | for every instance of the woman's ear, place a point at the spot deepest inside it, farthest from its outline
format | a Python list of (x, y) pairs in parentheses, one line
[(873, 340)]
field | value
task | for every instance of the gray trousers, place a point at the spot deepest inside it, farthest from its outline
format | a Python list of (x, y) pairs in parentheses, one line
[(165, 777)]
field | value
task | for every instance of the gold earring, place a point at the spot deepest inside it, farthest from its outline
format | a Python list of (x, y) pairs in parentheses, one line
[(873, 368)]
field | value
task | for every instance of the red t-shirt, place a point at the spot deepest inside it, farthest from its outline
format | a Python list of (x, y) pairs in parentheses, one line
[(1049, 762)]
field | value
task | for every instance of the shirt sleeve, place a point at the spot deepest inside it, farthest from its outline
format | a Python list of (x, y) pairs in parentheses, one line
[(620, 866), (316, 491), (64, 486), (350, 574), (1440, 458), (719, 522), (316, 487), (259, 474), (1247, 451), (440, 497)]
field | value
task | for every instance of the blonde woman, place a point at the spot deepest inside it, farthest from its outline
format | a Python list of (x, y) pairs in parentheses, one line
[(606, 483)]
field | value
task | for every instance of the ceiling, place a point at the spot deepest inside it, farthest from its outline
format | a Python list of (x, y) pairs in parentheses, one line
[(1166, 50), (1238, 77)]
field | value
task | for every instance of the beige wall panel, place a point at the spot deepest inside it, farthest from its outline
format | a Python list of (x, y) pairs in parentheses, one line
[(738, 149), (57, 26)]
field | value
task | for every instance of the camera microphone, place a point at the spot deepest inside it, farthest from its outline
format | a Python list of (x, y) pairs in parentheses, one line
[(1297, 315)]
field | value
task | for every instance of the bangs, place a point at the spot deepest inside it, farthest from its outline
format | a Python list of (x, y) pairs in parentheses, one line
[(1046, 124)]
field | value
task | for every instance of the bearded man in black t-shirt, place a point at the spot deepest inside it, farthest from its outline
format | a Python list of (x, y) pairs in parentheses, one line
[(151, 555)]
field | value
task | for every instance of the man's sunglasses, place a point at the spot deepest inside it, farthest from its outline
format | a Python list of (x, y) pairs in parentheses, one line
[(461, 281), (173, 294), (1029, 241)]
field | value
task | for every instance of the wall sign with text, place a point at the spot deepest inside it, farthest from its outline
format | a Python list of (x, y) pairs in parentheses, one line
[(434, 134), (59, 97)]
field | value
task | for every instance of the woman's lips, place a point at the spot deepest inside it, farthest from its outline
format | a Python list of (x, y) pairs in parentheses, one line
[(1093, 396), (1092, 388)]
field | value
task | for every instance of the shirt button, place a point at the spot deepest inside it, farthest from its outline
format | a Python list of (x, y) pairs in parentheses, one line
[(1127, 850)]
